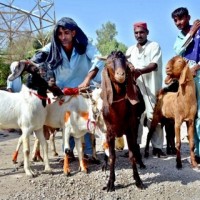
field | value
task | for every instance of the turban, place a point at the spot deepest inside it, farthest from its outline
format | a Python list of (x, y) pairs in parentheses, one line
[(80, 42), (140, 24)]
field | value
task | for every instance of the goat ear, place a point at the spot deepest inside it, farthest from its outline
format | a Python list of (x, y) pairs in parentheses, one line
[(107, 92), (132, 90), (17, 71), (185, 75)]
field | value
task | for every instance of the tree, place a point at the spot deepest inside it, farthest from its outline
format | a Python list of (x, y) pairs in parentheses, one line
[(41, 40), (106, 41), (4, 71)]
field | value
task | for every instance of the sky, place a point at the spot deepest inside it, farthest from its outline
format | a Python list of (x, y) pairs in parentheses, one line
[(90, 15)]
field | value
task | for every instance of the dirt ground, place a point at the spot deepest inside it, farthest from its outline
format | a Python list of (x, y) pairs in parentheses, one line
[(161, 178)]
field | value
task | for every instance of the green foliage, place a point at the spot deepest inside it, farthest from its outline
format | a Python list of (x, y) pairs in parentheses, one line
[(20, 48), (41, 40), (4, 72), (106, 41)]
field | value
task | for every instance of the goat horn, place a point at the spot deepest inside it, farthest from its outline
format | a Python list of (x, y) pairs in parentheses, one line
[(34, 64), (104, 58)]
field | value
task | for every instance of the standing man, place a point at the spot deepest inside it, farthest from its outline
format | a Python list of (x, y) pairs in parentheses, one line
[(187, 44), (73, 60), (146, 57)]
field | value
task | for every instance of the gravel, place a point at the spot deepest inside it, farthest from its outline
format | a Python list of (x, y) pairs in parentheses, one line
[(161, 178)]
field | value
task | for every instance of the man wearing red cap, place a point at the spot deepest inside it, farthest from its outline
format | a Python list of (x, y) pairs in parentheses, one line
[(146, 56)]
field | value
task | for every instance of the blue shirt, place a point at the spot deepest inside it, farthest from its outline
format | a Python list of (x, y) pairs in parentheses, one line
[(15, 85), (188, 47), (72, 72)]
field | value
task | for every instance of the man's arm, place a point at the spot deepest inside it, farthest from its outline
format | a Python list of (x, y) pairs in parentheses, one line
[(89, 77), (147, 69)]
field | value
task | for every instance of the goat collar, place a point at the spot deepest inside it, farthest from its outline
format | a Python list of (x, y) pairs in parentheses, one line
[(41, 97), (91, 126)]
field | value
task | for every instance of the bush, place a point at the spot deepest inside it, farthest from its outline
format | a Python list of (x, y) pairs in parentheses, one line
[(4, 72)]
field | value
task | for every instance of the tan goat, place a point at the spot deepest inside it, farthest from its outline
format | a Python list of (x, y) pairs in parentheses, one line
[(180, 106)]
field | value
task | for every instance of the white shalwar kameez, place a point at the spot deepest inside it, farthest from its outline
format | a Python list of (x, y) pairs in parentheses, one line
[(149, 84)]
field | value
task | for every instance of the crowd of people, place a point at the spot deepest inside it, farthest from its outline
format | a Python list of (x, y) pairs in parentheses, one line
[(70, 60)]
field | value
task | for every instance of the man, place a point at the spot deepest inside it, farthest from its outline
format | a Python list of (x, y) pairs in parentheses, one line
[(146, 57), (15, 85), (73, 60), (187, 44)]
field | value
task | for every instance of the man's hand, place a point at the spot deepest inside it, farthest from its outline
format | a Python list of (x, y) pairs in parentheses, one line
[(195, 27), (85, 83), (194, 69)]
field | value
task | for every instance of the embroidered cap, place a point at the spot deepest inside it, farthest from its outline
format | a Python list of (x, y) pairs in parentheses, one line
[(140, 24)]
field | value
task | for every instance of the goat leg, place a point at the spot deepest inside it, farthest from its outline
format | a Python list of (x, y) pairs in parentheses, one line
[(178, 147), (132, 157), (66, 168), (40, 135), (105, 164), (149, 136), (112, 157), (138, 156), (190, 127), (83, 165), (52, 142)]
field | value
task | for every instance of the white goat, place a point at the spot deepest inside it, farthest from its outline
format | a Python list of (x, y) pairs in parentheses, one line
[(24, 110)]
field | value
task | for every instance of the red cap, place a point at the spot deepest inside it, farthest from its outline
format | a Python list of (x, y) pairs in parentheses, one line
[(140, 24)]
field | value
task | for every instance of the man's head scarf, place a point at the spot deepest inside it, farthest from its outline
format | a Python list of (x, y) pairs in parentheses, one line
[(80, 42)]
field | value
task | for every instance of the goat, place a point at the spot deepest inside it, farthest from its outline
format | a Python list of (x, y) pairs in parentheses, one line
[(180, 106), (72, 115), (121, 112), (25, 111)]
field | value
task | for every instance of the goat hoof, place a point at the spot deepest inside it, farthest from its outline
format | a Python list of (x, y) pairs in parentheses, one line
[(110, 187), (67, 173), (142, 166), (15, 162), (31, 174), (140, 185), (48, 171), (85, 170), (179, 166), (55, 154)]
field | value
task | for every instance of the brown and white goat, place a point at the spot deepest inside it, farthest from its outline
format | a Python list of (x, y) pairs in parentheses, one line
[(121, 112), (180, 106)]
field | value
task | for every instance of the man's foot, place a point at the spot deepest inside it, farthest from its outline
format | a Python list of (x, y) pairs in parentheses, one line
[(158, 152), (171, 151), (91, 160), (197, 159)]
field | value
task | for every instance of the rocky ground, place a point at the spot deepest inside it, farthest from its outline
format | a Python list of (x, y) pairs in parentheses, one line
[(161, 178)]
